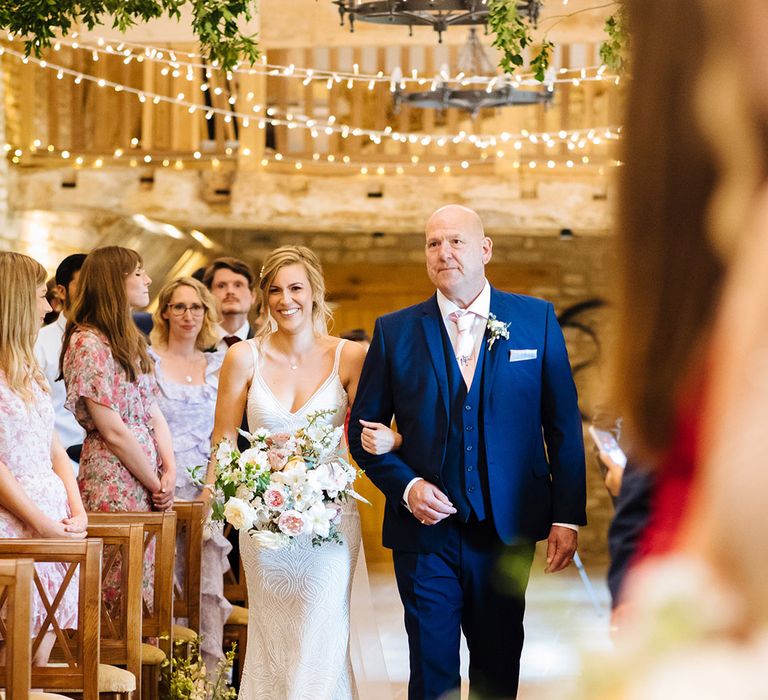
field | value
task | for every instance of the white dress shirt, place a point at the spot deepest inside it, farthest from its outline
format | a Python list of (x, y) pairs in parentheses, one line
[(481, 308), (47, 351), (241, 333)]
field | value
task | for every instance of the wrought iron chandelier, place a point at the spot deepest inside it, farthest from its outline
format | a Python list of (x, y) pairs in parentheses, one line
[(439, 14), (473, 61)]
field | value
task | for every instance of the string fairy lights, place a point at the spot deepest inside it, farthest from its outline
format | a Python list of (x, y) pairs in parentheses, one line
[(191, 62), (261, 115), (286, 163)]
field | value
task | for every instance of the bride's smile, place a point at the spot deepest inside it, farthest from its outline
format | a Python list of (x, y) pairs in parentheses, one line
[(290, 296)]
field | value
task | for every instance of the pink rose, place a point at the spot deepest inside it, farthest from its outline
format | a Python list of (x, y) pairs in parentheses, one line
[(278, 439), (277, 457), (274, 498), (291, 523)]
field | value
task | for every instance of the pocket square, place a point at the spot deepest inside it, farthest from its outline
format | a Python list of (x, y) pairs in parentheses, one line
[(518, 355)]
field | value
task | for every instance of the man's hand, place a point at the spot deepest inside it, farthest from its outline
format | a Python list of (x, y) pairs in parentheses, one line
[(561, 546), (428, 503)]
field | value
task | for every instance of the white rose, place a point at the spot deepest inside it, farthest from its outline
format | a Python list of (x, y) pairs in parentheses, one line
[(239, 514)]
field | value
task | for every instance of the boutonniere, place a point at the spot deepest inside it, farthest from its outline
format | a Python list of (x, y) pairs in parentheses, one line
[(496, 329)]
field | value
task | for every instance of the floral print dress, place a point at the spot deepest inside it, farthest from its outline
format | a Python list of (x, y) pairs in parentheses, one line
[(26, 434), (106, 485)]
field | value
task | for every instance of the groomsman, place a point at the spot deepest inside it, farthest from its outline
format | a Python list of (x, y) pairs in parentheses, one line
[(491, 461), (233, 286)]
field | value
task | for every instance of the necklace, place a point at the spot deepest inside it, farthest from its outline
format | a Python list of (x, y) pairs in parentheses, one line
[(293, 365), (189, 379)]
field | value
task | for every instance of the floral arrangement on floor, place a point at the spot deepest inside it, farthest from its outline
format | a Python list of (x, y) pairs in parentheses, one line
[(285, 485), (187, 678)]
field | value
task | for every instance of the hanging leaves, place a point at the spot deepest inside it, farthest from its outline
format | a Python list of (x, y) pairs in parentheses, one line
[(614, 50), (214, 22)]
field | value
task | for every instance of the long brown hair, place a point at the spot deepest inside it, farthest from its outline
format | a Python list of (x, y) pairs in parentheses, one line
[(207, 337), (669, 274), (101, 303), (20, 276), (293, 255)]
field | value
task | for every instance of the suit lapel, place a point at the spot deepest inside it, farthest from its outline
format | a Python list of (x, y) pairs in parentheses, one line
[(433, 338), (492, 356)]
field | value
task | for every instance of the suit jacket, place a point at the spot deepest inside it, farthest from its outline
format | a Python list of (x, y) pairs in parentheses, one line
[(531, 423)]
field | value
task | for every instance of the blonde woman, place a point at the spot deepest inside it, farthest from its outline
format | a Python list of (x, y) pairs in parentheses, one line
[(299, 597), (188, 378), (38, 492)]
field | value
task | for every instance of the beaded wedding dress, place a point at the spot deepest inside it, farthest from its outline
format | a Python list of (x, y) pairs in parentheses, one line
[(299, 596)]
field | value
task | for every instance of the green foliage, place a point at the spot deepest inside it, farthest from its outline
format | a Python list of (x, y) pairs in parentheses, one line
[(512, 34), (614, 50), (187, 678), (540, 62), (214, 22)]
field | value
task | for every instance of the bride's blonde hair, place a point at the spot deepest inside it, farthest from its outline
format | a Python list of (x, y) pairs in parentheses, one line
[(293, 255), (20, 276)]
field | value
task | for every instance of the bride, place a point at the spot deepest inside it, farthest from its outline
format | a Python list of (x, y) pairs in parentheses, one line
[(299, 596)]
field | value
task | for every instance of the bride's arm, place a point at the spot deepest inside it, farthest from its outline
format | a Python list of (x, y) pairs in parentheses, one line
[(376, 438), (234, 381)]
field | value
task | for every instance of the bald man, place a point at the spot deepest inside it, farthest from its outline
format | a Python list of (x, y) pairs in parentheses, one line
[(491, 459)]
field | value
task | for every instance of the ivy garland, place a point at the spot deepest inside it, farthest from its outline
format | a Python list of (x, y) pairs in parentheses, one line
[(512, 35), (615, 49), (214, 22)]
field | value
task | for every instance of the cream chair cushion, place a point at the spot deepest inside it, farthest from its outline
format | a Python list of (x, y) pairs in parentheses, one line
[(151, 655), (238, 616), (183, 634)]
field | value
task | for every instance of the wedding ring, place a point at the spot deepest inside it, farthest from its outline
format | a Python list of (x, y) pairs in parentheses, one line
[(423, 522)]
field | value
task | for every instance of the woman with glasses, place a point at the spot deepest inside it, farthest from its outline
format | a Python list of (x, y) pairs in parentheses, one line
[(185, 323)]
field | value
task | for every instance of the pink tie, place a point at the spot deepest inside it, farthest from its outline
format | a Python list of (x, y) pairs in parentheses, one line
[(465, 344)]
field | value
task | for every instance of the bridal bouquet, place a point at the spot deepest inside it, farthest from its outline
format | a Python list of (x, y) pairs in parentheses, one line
[(285, 485)]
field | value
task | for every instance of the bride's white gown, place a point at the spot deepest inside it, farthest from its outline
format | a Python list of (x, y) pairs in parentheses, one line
[(299, 596)]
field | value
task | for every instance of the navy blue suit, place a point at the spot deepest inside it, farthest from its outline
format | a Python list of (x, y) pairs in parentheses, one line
[(508, 452)]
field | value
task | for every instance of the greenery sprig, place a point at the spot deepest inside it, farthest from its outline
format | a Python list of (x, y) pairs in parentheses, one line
[(214, 22), (614, 50), (512, 34)]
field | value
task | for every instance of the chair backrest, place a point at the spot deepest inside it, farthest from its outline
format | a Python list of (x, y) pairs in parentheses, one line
[(189, 545), (15, 591), (78, 651), (121, 619), (235, 590), (160, 532)]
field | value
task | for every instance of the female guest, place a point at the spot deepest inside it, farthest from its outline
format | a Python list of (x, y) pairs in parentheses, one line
[(184, 326), (38, 491), (127, 462)]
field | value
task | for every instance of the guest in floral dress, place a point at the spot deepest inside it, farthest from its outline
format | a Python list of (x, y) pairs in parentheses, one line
[(188, 378), (127, 462), (38, 491)]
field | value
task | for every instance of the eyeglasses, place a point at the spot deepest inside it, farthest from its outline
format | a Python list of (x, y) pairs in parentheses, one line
[(197, 310)]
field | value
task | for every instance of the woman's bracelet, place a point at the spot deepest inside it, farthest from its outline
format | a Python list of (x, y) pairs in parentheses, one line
[(211, 487)]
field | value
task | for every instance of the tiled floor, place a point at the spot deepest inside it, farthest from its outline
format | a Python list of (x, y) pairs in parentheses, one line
[(561, 622)]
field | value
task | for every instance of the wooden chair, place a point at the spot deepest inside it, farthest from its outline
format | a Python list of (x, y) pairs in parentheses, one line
[(160, 529), (15, 591), (121, 620), (77, 649), (15, 596), (186, 588)]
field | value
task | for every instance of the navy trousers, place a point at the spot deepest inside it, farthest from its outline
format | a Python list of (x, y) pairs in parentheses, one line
[(477, 584)]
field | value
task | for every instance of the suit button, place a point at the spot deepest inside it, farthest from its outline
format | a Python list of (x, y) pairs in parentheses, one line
[(469, 468), (469, 427), (471, 489), (467, 407), (469, 448)]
